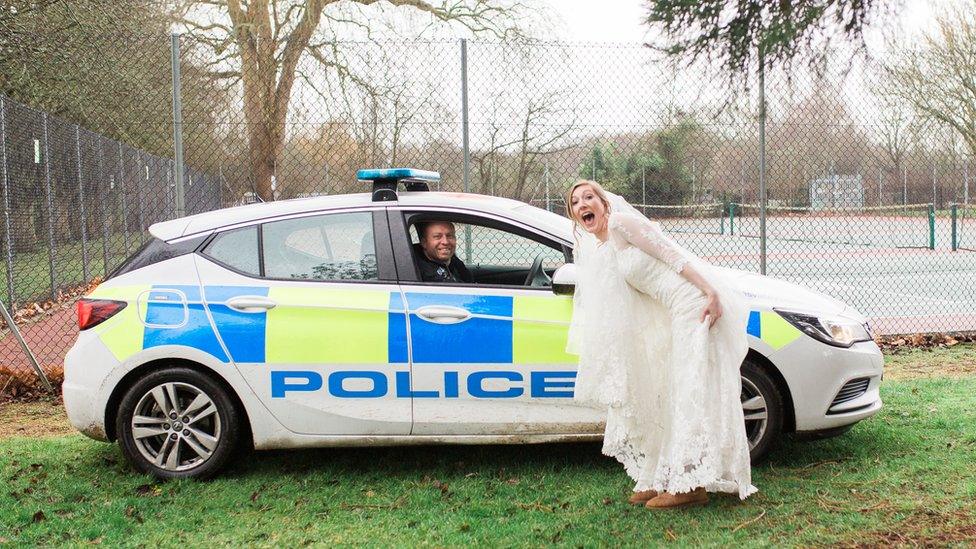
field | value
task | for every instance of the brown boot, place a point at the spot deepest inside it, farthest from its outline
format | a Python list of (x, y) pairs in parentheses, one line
[(640, 498), (668, 500)]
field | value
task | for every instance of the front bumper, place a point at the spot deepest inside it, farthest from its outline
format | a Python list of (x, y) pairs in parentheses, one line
[(816, 373)]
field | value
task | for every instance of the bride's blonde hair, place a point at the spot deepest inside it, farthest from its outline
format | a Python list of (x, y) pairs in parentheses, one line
[(598, 189)]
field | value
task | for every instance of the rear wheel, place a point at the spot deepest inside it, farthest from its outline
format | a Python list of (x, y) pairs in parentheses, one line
[(177, 423), (762, 408)]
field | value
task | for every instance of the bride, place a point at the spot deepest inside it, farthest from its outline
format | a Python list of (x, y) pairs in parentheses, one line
[(660, 340)]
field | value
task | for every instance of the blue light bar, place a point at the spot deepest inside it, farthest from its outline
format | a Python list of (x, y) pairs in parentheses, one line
[(397, 174), (385, 182)]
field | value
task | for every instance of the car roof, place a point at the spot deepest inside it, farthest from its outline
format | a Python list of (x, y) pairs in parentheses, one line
[(217, 219)]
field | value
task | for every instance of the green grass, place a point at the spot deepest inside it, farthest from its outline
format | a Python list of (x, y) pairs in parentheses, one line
[(906, 474)]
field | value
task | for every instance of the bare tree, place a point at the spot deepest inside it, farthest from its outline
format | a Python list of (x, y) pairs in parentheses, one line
[(938, 76), (897, 133), (260, 43)]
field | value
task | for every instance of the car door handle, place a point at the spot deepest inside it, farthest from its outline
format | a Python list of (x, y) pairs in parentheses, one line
[(251, 303), (443, 314)]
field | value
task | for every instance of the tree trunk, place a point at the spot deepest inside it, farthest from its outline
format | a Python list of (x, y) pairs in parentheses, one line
[(262, 157)]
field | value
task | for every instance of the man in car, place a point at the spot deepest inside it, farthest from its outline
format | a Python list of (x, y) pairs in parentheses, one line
[(435, 253)]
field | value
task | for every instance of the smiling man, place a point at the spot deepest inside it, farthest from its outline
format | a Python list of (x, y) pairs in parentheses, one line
[(435, 253)]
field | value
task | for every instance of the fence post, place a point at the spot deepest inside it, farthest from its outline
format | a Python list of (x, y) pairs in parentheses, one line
[(965, 190), (904, 188), (50, 211), (731, 218), (8, 239), (762, 161), (644, 185), (954, 213), (27, 351), (143, 169), (177, 125), (125, 225), (879, 187), (931, 226), (546, 178), (81, 201), (101, 177)]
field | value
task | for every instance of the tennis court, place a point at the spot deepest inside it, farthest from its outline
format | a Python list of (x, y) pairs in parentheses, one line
[(897, 267)]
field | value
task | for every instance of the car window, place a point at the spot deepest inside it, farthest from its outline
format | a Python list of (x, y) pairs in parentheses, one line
[(324, 247), (496, 256), (237, 249)]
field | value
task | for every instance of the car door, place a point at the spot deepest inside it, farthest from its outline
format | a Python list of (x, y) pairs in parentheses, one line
[(488, 357), (309, 310)]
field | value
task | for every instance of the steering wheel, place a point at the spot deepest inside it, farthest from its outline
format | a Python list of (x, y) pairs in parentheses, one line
[(537, 274)]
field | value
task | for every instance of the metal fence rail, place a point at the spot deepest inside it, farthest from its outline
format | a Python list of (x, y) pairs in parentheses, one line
[(891, 234)]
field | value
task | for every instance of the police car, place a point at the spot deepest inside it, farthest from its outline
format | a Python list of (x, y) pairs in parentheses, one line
[(306, 323)]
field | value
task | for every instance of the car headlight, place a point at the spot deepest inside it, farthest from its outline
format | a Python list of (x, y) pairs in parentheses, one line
[(836, 331)]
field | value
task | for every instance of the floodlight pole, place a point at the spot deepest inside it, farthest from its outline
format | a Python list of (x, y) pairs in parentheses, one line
[(464, 137), (464, 114)]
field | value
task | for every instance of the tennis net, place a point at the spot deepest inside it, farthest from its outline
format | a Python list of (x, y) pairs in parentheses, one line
[(905, 226), (964, 227)]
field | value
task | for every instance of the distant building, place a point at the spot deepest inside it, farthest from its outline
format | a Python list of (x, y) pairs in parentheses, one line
[(837, 191)]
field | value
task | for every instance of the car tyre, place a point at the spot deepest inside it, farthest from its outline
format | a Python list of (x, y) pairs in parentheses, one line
[(178, 423), (762, 406)]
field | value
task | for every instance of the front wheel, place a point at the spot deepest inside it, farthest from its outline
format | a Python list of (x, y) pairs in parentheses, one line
[(177, 423), (762, 408)]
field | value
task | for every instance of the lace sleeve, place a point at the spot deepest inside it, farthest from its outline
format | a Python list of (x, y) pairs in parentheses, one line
[(647, 236)]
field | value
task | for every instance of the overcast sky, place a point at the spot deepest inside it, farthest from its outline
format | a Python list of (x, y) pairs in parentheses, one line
[(620, 20)]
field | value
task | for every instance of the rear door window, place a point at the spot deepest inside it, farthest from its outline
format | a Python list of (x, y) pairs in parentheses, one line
[(336, 246), (237, 249)]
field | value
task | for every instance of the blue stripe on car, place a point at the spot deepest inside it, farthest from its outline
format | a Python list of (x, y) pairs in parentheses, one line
[(474, 341)]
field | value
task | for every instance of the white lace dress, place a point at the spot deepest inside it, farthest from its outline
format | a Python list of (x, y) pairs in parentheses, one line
[(670, 383)]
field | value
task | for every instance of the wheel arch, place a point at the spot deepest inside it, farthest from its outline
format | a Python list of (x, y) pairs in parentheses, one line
[(757, 358), (130, 378)]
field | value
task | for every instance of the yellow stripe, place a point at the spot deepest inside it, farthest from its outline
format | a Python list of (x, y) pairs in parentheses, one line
[(123, 333), (327, 325), (775, 331), (540, 329)]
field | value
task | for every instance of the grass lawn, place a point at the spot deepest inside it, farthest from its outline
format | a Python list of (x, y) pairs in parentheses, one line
[(906, 476)]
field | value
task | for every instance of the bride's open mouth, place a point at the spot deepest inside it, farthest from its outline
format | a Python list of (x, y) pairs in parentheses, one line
[(587, 217)]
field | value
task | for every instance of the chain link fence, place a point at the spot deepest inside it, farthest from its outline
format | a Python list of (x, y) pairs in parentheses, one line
[(884, 225)]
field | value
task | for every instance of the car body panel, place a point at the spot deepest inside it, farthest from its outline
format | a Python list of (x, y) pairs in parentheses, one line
[(484, 375), (500, 376)]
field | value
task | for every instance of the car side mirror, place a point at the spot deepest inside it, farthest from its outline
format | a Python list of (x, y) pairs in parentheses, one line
[(564, 280)]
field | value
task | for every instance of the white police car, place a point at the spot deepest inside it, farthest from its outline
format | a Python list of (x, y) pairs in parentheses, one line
[(304, 323)]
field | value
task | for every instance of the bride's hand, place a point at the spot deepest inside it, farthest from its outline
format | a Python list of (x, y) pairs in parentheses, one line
[(713, 309)]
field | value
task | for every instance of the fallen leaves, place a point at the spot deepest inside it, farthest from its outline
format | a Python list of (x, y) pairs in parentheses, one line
[(896, 343), (65, 296)]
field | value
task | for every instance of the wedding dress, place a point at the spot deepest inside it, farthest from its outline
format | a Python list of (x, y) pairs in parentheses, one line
[(671, 384)]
